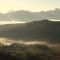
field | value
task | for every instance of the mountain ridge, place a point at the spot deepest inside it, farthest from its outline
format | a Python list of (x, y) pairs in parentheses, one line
[(24, 16), (35, 30)]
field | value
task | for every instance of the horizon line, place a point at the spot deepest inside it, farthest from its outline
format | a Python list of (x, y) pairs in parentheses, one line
[(10, 11)]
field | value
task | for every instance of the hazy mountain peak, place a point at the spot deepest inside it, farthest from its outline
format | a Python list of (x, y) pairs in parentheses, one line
[(57, 9), (25, 15)]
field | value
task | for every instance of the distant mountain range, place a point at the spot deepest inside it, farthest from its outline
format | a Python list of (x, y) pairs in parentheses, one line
[(36, 30), (25, 16)]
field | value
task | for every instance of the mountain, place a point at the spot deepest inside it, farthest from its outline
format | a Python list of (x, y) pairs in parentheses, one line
[(36, 30), (51, 14), (24, 16)]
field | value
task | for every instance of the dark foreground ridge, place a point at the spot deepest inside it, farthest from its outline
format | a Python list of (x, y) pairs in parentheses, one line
[(35, 30)]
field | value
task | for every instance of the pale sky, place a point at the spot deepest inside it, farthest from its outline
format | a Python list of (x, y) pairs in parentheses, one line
[(31, 5)]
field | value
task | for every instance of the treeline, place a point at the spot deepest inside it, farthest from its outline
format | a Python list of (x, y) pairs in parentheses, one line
[(27, 52)]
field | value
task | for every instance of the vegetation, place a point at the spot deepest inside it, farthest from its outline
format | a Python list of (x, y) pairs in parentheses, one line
[(27, 52)]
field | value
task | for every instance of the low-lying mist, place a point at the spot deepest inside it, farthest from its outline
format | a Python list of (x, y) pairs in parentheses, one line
[(10, 22), (6, 41)]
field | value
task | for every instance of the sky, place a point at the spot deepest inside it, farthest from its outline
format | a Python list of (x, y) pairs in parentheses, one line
[(31, 5)]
